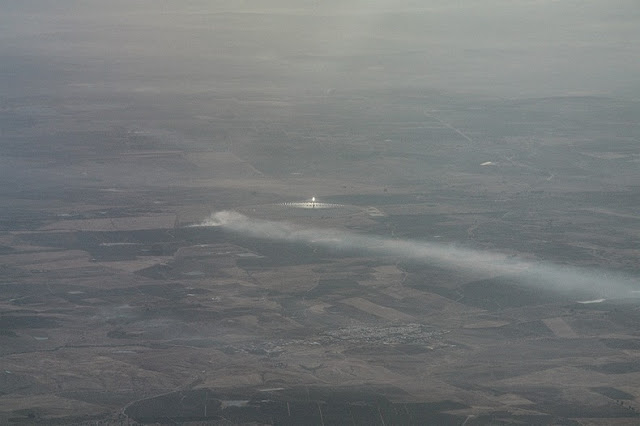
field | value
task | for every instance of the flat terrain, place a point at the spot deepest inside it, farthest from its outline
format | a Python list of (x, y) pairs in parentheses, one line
[(114, 309)]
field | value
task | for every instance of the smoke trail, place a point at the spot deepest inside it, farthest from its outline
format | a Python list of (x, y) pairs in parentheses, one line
[(544, 275)]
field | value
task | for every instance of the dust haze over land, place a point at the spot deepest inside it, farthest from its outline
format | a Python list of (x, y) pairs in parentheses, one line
[(567, 279), (433, 129)]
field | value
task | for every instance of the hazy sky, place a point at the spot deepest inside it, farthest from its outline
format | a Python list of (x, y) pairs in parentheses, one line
[(494, 47)]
